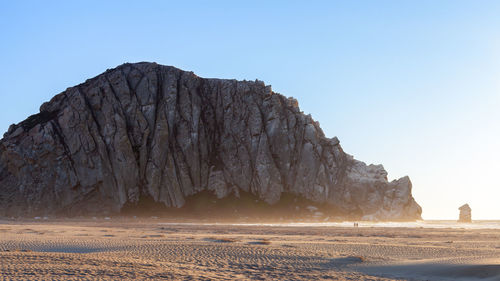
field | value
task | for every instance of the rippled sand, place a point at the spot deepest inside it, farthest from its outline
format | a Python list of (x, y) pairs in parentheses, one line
[(121, 249)]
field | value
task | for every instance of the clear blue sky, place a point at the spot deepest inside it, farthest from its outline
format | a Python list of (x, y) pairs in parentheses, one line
[(414, 85)]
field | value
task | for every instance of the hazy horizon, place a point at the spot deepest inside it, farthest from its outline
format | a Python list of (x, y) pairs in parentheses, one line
[(410, 85)]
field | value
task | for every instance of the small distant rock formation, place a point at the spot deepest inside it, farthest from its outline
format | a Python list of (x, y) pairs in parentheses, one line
[(145, 134), (465, 214)]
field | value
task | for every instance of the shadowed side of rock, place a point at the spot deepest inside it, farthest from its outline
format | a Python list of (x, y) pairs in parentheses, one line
[(146, 130)]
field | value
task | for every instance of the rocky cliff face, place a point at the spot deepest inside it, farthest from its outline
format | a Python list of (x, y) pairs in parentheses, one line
[(147, 130)]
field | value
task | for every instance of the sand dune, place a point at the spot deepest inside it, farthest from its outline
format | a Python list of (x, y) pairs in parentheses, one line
[(146, 250)]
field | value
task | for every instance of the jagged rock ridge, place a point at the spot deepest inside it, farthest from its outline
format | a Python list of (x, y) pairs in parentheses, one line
[(149, 130)]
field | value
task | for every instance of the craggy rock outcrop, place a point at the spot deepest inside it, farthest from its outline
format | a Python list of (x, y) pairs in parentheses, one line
[(147, 130)]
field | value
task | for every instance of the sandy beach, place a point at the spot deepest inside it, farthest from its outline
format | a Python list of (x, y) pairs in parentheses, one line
[(136, 249)]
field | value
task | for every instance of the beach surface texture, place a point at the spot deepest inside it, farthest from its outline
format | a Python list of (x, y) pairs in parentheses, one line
[(154, 249)]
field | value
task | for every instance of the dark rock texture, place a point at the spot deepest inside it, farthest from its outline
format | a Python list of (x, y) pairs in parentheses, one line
[(147, 130)]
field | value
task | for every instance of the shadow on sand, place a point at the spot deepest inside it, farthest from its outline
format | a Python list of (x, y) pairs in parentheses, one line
[(436, 271)]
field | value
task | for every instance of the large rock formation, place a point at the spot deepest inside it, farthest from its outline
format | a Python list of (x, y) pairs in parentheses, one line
[(145, 130)]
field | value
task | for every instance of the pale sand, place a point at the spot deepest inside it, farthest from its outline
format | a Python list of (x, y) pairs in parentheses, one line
[(135, 250)]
